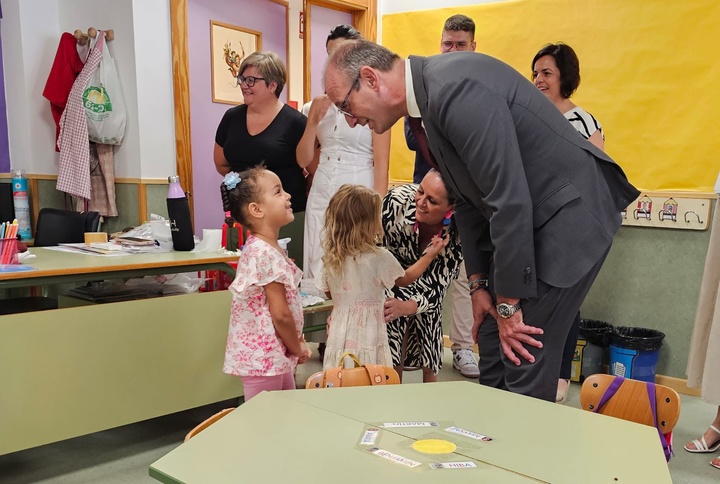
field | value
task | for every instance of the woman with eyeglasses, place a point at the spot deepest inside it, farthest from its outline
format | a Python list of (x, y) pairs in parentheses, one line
[(265, 130), (336, 154)]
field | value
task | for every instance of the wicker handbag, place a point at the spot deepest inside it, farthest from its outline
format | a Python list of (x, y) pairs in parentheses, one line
[(358, 376)]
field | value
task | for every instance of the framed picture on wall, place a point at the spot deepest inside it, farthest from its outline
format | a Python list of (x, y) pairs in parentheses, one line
[(229, 46)]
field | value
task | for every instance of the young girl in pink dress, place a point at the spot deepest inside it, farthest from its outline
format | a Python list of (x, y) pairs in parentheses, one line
[(265, 340), (356, 273)]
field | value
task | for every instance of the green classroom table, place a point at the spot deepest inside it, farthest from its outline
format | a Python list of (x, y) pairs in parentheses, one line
[(312, 435)]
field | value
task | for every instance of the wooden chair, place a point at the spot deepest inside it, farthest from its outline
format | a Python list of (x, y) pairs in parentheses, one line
[(207, 423), (631, 401)]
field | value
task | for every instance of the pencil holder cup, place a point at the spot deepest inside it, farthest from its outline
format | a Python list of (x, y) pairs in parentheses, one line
[(9, 251)]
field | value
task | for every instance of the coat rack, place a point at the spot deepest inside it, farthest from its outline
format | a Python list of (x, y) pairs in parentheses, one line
[(83, 38)]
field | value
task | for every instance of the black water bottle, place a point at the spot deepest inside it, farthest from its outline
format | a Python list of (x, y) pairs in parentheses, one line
[(179, 215)]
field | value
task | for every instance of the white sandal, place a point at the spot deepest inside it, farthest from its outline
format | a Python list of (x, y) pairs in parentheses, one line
[(562, 393), (701, 446)]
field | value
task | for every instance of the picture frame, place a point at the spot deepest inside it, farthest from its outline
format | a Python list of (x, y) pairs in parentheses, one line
[(229, 46)]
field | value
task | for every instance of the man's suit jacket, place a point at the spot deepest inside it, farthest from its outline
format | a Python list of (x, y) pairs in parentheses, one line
[(533, 194)]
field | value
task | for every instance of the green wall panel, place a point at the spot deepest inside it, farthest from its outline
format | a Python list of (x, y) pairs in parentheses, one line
[(157, 200), (651, 279), (126, 196)]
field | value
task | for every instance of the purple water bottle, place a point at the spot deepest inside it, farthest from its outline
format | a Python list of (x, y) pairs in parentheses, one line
[(179, 215)]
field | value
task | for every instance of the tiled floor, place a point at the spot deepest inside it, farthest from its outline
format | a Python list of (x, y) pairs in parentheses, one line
[(123, 455)]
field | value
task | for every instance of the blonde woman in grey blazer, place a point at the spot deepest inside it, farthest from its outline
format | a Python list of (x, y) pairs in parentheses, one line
[(537, 206)]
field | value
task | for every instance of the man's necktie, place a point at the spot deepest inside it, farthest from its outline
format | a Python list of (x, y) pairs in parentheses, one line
[(421, 137)]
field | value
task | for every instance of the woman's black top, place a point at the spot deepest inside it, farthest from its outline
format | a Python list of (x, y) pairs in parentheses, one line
[(275, 147)]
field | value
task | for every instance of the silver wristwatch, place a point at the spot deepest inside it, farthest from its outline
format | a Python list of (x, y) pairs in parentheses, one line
[(506, 310)]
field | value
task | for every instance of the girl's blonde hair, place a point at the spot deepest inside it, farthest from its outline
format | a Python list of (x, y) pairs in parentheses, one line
[(352, 225)]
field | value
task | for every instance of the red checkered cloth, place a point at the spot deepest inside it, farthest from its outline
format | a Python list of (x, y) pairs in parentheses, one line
[(74, 170)]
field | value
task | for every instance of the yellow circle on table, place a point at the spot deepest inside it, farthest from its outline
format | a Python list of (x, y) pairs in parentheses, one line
[(434, 446)]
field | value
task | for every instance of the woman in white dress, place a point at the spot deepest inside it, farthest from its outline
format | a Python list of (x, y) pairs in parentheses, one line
[(335, 154)]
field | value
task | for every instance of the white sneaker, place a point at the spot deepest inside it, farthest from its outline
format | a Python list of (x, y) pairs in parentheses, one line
[(464, 361)]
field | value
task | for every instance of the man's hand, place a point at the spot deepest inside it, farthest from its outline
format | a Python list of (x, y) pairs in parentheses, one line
[(514, 333), (482, 305)]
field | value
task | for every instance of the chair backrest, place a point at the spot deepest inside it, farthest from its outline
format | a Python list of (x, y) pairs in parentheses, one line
[(631, 401), (7, 208), (314, 381), (55, 226), (207, 423)]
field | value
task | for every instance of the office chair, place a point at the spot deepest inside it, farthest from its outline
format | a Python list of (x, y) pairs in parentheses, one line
[(7, 208), (207, 423), (55, 226), (637, 401)]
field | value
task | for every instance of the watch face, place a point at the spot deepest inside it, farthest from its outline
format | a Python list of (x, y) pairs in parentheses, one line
[(503, 310), (506, 310)]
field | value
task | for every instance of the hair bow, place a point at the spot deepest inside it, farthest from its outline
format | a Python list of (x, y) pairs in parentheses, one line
[(231, 180)]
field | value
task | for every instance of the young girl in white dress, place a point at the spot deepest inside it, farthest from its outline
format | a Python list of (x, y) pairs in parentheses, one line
[(265, 340), (356, 273)]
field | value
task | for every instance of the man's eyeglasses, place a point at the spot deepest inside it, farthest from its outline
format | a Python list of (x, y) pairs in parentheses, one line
[(249, 80), (460, 45), (343, 108)]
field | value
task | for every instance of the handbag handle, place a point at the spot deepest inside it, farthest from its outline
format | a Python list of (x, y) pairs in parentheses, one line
[(348, 354)]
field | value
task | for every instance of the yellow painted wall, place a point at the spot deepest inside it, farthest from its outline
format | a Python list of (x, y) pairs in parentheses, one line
[(650, 73)]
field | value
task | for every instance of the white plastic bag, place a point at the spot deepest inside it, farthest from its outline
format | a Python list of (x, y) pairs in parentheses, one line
[(103, 100)]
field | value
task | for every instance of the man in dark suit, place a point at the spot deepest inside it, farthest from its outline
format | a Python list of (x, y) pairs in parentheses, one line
[(538, 206)]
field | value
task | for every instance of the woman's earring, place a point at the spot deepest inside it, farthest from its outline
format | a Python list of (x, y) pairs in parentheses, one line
[(448, 216)]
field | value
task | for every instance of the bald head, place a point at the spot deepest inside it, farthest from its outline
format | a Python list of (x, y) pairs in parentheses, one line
[(352, 55), (366, 82)]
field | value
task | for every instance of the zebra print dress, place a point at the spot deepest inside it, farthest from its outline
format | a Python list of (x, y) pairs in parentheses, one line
[(425, 338), (584, 122)]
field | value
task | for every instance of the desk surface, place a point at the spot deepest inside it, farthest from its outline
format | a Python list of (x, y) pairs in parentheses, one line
[(304, 435), (58, 266)]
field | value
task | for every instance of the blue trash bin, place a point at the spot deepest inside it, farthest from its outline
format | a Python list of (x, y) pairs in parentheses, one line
[(634, 352), (591, 350)]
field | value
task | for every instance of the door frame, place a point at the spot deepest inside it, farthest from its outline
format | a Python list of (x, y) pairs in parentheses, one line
[(364, 18)]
